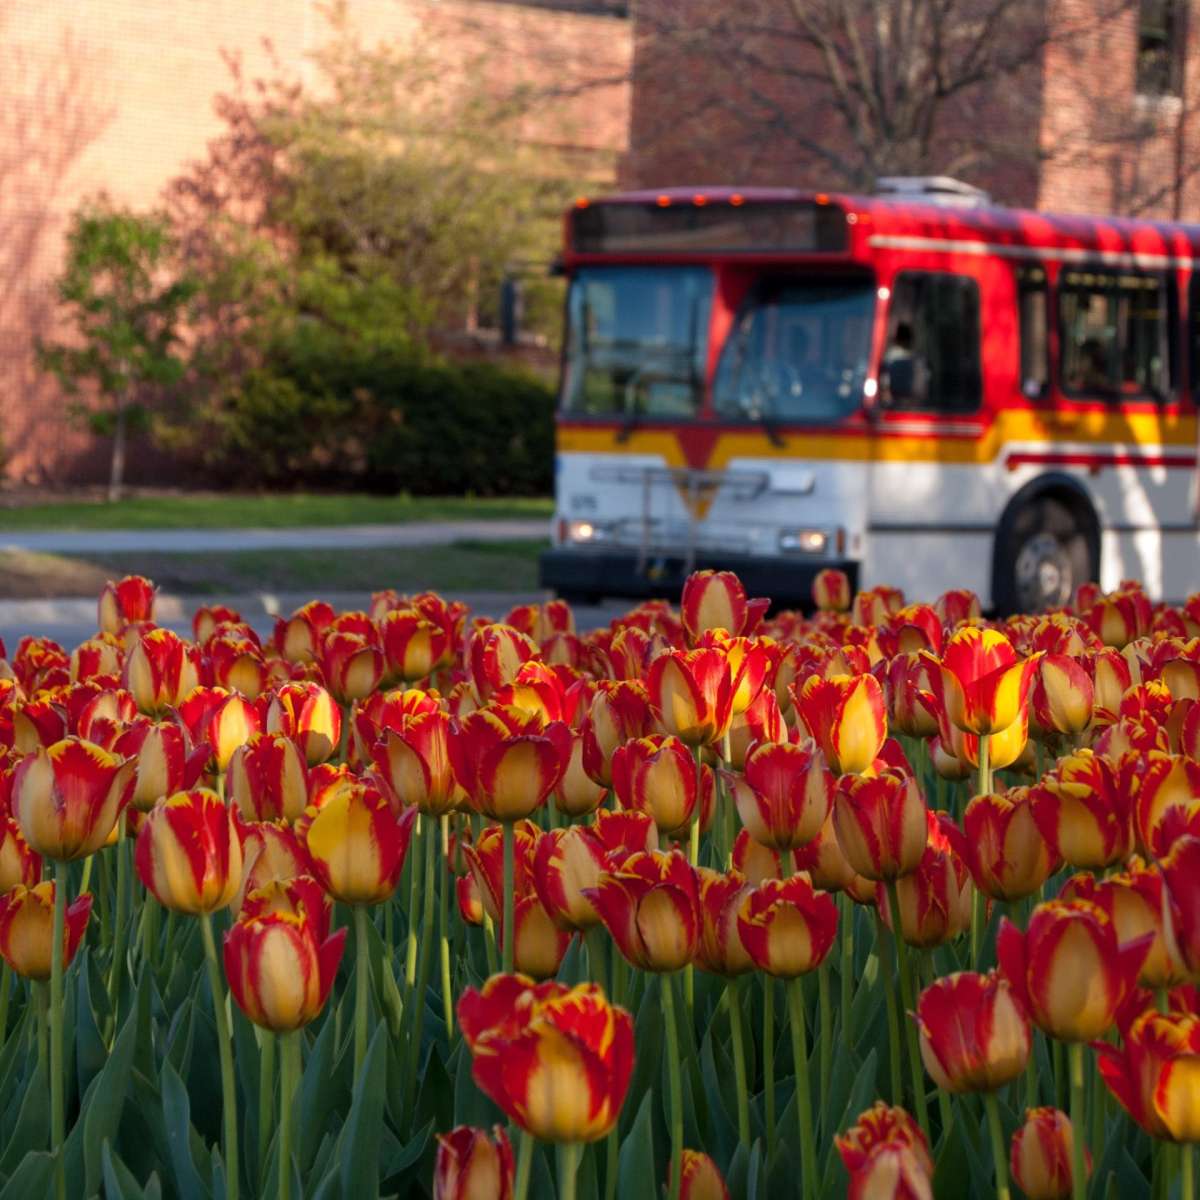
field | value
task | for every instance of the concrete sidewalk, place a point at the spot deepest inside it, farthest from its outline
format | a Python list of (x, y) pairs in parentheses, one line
[(320, 537)]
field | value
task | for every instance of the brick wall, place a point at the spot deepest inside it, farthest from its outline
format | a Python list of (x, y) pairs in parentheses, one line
[(117, 96)]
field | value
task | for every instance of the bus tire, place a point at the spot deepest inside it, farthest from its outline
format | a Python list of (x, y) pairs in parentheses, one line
[(1045, 548)]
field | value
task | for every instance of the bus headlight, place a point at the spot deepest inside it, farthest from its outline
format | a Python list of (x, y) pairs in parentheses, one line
[(805, 541), (585, 533)]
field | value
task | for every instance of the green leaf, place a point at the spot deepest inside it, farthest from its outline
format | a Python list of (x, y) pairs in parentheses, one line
[(636, 1167), (177, 1114), (119, 1180), (363, 1131), (33, 1123), (324, 1087), (33, 1177)]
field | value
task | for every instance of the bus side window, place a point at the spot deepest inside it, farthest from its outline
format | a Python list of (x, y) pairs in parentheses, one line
[(931, 360), (1032, 317), (1115, 334)]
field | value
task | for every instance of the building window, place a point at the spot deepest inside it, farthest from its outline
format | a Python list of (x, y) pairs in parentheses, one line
[(1160, 48), (1032, 309), (931, 362), (1115, 331)]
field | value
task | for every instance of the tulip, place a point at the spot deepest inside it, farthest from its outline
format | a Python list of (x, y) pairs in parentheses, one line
[(700, 1179), (651, 907), (846, 717), (272, 853), (1111, 678), (822, 859), (1042, 1151), (298, 639), (27, 927), (163, 758), (578, 794), (556, 1060), (352, 665), (1133, 900), (873, 606), (223, 720), (267, 779), (467, 896), (237, 664), (717, 600), (881, 823), (507, 761), (1062, 695), (539, 945), (1166, 788), (721, 950), (691, 694), (472, 1166), (307, 713), (985, 685), (1007, 855), (886, 1154), (1119, 618), (188, 853), (956, 606), (623, 834), (486, 862), (67, 798), (208, 618), (831, 590), (619, 712), (539, 690), (542, 621), (565, 862), (787, 927), (1153, 1075), (935, 899), (413, 646), (756, 861), (494, 655), (415, 764), (974, 1033), (358, 845), (1084, 809), (160, 669), (97, 657), (657, 775), (38, 723), (38, 663), (785, 794), (914, 689), (129, 600), (1069, 969), (278, 972), (761, 722), (1181, 880), (18, 863)]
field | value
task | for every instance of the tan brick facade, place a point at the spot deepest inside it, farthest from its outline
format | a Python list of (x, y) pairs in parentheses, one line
[(117, 96)]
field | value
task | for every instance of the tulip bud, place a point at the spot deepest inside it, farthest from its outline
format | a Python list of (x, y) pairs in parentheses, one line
[(717, 600), (556, 1060), (18, 863), (160, 669), (27, 929), (1062, 696), (540, 945), (358, 846), (1008, 857), (472, 1166), (721, 950), (1042, 1154), (845, 716), (691, 694), (974, 1034), (278, 972), (415, 764), (935, 899), (267, 779), (831, 590), (881, 823), (700, 1179), (129, 600), (188, 853), (886, 1156), (785, 794), (307, 714), (787, 927), (67, 798)]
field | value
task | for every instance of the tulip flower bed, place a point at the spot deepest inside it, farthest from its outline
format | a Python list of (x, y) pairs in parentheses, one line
[(886, 902)]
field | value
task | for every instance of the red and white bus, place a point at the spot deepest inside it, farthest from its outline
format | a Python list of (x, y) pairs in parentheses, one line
[(923, 394)]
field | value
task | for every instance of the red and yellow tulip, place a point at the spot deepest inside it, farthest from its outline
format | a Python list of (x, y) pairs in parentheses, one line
[(19, 864), (935, 899), (1003, 847), (165, 762), (413, 646), (267, 779), (846, 716), (691, 694), (717, 600), (886, 1156), (657, 775), (308, 714), (414, 762), (785, 794), (787, 926), (27, 928), (128, 601), (473, 1166), (1042, 1155), (985, 684), (881, 822), (1084, 809), (720, 950), (160, 670)]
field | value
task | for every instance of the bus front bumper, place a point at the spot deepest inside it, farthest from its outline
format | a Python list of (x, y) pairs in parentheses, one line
[(597, 573)]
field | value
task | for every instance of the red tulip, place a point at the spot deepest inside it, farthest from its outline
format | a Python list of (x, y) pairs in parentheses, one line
[(657, 775), (1008, 857), (18, 863), (160, 669), (717, 600), (1084, 809), (494, 655), (720, 950), (881, 823), (845, 716), (691, 694), (886, 1156), (415, 764), (1062, 695), (272, 853), (236, 663), (1042, 1155), (619, 712), (307, 713), (299, 638), (27, 929), (413, 646), (127, 601), (486, 859), (985, 685), (787, 927), (935, 899), (699, 1178), (268, 779), (565, 862), (352, 665), (831, 590), (785, 794), (472, 1166)]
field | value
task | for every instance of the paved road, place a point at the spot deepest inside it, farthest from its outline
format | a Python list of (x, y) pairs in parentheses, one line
[(332, 537)]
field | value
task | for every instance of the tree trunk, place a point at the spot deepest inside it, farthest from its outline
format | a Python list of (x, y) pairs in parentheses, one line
[(116, 474)]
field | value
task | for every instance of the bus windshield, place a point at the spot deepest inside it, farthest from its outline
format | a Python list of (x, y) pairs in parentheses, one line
[(799, 351), (637, 338)]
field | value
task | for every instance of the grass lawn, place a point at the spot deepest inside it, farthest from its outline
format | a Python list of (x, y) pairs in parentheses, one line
[(214, 510), (464, 566)]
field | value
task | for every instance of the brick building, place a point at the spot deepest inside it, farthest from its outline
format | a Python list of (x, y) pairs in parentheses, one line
[(117, 96)]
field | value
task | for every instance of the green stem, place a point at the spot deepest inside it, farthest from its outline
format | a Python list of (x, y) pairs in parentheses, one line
[(414, 906), (808, 1150), (58, 1118), (568, 1169), (524, 1165), (725, 800), (694, 839), (999, 1155), (508, 939), (343, 738), (151, 913), (121, 919), (416, 1029), (676, 1085), (595, 939), (266, 1099), (1078, 1149), (362, 984), (883, 951), (846, 931), (1188, 1188), (41, 999), (739, 1061), (5, 990), (289, 1079), (985, 766), (612, 1153), (906, 997), (225, 1048), (769, 1061), (825, 1001), (86, 878), (444, 882)]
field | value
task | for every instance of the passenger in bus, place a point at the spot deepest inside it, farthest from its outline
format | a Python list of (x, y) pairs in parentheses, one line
[(907, 372), (1091, 369)]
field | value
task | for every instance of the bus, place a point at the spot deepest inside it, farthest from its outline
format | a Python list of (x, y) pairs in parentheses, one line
[(920, 393)]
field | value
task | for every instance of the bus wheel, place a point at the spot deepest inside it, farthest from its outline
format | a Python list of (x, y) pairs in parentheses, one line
[(1047, 549)]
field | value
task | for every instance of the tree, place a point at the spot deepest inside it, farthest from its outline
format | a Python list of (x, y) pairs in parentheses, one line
[(124, 305)]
